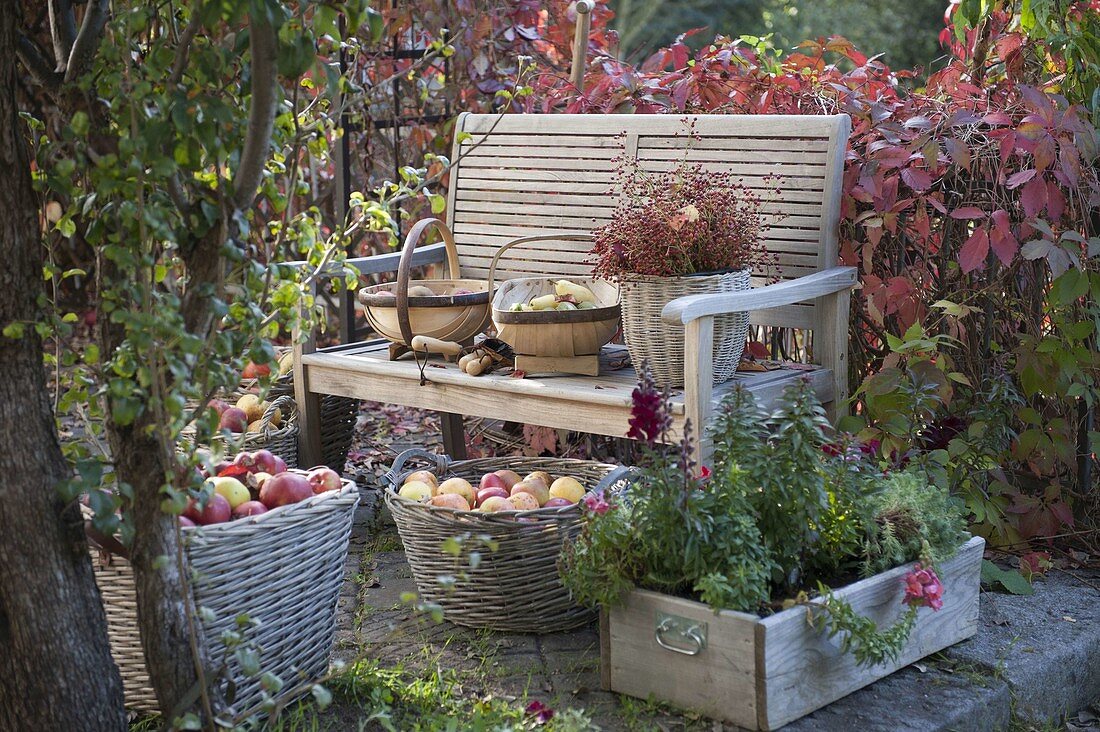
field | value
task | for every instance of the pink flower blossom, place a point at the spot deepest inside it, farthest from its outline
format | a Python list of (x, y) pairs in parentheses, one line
[(923, 587), (539, 711), (595, 503)]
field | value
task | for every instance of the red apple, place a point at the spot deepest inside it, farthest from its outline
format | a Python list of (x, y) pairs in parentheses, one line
[(233, 419), (492, 480), (284, 489), (486, 493), (510, 477), (249, 508), (255, 370), (260, 461), (186, 522), (450, 500), (280, 466), (555, 502), (219, 406), (217, 511), (323, 479), (192, 513)]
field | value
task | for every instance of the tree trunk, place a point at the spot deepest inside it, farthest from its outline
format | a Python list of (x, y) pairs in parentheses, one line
[(56, 671), (164, 607)]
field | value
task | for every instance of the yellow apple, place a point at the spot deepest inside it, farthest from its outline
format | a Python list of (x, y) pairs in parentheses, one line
[(460, 486), (450, 500), (422, 476), (568, 488), (494, 504), (540, 475), (416, 491), (534, 488), (524, 501), (231, 490)]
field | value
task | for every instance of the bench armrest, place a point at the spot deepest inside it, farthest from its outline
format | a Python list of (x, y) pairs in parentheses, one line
[(826, 282), (382, 263)]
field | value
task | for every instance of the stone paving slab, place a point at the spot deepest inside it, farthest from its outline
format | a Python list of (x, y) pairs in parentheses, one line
[(1039, 656)]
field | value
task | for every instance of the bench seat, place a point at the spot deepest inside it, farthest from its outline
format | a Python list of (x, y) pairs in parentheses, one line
[(596, 404)]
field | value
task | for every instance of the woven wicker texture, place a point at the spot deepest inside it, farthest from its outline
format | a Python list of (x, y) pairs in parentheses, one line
[(283, 568), (649, 338), (516, 586), (337, 417), (282, 440)]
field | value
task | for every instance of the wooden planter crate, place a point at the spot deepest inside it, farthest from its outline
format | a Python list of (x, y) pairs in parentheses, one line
[(762, 673)]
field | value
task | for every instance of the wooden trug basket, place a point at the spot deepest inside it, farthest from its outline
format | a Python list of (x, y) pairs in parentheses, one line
[(547, 341), (455, 318)]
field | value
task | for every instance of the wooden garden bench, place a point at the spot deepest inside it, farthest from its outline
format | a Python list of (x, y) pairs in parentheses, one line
[(518, 175)]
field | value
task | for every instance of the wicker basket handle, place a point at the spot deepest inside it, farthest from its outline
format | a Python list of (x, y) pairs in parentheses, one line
[(565, 236), (440, 462), (286, 406), (405, 265), (622, 472)]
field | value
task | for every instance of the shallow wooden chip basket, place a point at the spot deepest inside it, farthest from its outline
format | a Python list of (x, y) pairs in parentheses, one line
[(514, 587), (399, 318), (284, 568)]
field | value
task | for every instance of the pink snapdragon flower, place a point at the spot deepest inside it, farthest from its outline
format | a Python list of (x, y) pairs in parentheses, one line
[(595, 503), (923, 587)]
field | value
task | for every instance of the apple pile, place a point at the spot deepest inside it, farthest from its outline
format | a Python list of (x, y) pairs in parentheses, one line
[(254, 483), (501, 490), (246, 415), (566, 296)]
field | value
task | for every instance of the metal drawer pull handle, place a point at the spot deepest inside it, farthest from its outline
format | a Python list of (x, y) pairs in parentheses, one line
[(693, 633)]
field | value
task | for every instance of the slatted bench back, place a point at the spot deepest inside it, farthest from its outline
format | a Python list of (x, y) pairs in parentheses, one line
[(526, 174)]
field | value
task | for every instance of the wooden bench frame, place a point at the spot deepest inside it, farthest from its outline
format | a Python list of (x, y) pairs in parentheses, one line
[(818, 301)]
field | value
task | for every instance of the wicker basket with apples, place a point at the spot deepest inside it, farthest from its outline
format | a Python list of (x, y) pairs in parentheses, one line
[(257, 537), (515, 514)]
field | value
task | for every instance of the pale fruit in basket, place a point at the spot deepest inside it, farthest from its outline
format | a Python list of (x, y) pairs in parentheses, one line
[(286, 363), (416, 491), (494, 504), (510, 477), (385, 293), (461, 486), (422, 476), (524, 501), (231, 490), (558, 503), (568, 488), (450, 500), (252, 406), (421, 291), (534, 488), (580, 293), (587, 306), (565, 306), (544, 302), (540, 475)]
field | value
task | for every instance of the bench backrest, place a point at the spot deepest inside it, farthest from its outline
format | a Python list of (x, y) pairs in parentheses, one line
[(535, 173)]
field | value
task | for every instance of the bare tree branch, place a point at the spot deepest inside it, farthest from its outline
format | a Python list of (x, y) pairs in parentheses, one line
[(261, 116), (62, 30), (182, 49), (87, 41), (34, 59)]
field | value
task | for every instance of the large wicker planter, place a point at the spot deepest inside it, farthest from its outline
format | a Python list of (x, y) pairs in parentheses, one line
[(514, 587), (762, 673), (283, 568), (650, 339)]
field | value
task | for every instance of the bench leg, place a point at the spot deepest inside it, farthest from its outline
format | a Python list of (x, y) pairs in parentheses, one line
[(454, 435)]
